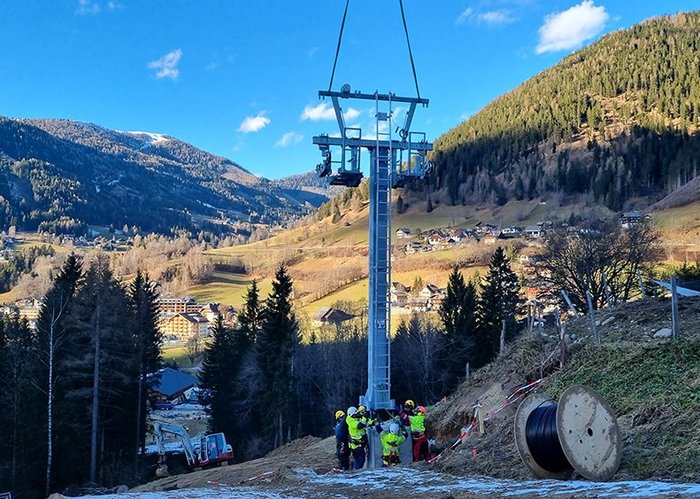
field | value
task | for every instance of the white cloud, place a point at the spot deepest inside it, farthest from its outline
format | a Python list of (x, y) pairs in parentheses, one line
[(289, 139), (351, 114), (465, 15), (254, 123), (94, 7), (570, 28), (166, 66), (492, 17), (87, 7), (496, 17), (325, 112)]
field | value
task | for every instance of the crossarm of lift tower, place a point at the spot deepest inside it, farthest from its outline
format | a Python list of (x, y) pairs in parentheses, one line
[(343, 140)]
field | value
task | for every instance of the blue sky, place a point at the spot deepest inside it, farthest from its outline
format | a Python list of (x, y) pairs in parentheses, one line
[(240, 78)]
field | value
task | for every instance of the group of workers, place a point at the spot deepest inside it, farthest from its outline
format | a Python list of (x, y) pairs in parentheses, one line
[(352, 439)]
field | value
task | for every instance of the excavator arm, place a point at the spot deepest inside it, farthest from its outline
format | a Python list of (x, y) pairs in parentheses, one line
[(160, 429)]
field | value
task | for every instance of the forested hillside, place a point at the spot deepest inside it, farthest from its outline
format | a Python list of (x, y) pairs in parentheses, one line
[(59, 176), (614, 121)]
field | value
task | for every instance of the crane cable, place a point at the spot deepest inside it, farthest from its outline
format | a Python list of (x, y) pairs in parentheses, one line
[(340, 39), (410, 52), (408, 42)]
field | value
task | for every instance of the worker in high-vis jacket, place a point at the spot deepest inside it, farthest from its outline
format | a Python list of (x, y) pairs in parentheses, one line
[(358, 422), (342, 451), (391, 443), (415, 418)]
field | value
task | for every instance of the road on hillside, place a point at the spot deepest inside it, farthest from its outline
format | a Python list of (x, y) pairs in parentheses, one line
[(399, 482)]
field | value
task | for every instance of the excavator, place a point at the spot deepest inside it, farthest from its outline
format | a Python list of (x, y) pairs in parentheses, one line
[(213, 449)]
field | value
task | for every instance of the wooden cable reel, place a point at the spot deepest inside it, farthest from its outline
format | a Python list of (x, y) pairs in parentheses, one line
[(587, 435)]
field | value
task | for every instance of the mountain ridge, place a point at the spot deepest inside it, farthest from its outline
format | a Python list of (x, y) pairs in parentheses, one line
[(61, 175), (611, 123)]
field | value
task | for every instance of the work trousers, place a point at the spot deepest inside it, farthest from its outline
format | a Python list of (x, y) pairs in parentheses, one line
[(421, 448), (343, 459), (358, 458)]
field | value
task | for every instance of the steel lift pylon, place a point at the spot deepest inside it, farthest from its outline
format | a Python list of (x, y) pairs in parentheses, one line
[(393, 163)]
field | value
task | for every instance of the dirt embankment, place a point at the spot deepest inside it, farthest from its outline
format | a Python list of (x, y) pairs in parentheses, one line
[(651, 382), (653, 385), (275, 468)]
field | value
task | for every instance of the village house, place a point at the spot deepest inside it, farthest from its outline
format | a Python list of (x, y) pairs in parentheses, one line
[(429, 298), (438, 238), (484, 228), (399, 294), (181, 327), (211, 311), (29, 310), (403, 233), (177, 305), (414, 247), (533, 231), (630, 218), (510, 232), (170, 385), (326, 316), (428, 291)]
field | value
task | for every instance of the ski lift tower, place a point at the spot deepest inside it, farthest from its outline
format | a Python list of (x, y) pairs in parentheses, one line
[(394, 162)]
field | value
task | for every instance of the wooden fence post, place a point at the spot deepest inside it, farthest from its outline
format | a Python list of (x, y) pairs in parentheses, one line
[(675, 319), (596, 336), (562, 346), (568, 301)]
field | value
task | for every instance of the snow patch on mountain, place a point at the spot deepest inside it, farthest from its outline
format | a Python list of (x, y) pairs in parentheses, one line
[(150, 138)]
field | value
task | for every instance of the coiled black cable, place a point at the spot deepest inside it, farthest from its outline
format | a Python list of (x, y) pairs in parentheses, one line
[(542, 439)]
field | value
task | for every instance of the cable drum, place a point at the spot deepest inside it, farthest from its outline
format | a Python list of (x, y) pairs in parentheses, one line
[(578, 433), (543, 441)]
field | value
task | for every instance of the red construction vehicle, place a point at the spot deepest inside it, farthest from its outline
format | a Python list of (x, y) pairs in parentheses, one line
[(213, 449)]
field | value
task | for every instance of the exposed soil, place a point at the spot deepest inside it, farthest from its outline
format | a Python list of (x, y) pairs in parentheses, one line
[(532, 357)]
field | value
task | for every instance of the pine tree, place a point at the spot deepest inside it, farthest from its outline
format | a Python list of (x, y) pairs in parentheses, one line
[(143, 310), (51, 339), (458, 316), (498, 307), (250, 318), (216, 379), (18, 405), (274, 350), (102, 363)]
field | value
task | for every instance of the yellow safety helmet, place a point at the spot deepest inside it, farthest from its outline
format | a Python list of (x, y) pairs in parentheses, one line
[(410, 404), (361, 409), (339, 414)]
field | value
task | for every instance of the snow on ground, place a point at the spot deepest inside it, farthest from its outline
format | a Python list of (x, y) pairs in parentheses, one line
[(397, 482)]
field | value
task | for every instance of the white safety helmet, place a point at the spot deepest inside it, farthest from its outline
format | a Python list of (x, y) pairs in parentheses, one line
[(394, 428), (352, 411)]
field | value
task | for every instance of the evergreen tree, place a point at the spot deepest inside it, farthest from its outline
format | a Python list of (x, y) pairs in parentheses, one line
[(274, 351), (498, 306), (218, 381), (51, 332), (415, 369), (244, 393), (143, 311), (103, 381), (250, 318), (20, 452), (458, 315)]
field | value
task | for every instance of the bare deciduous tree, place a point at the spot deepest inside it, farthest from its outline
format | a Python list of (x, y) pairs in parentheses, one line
[(593, 258)]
